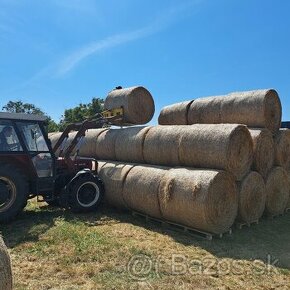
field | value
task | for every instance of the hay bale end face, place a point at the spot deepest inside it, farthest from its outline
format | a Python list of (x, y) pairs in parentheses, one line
[(264, 151), (223, 146), (252, 198), (113, 175), (5, 268), (202, 199), (129, 144), (257, 109), (141, 188), (282, 148), (137, 103), (175, 114), (277, 191)]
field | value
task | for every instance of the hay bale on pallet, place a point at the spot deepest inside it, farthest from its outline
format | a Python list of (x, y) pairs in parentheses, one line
[(202, 199), (161, 145), (113, 175), (264, 151), (224, 146), (277, 191), (252, 198), (282, 148), (137, 103), (5, 268), (141, 188), (175, 114), (258, 109), (129, 144)]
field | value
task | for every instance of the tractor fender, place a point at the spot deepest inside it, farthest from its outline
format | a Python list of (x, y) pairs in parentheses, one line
[(83, 172)]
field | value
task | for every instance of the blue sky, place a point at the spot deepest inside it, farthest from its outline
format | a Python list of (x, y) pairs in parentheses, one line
[(58, 53)]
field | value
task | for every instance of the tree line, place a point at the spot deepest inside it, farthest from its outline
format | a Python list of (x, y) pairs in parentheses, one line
[(73, 115)]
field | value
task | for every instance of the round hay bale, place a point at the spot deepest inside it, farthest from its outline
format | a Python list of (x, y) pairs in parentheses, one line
[(129, 144), (223, 146), (137, 103), (101, 163), (53, 137), (88, 144), (5, 268), (113, 175), (202, 199), (252, 198), (282, 148), (205, 111), (175, 114), (264, 151), (161, 145), (141, 189), (105, 144), (277, 191), (258, 109)]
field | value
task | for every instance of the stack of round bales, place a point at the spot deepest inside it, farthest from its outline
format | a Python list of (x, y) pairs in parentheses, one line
[(223, 146), (224, 188), (257, 109), (202, 199), (5, 268)]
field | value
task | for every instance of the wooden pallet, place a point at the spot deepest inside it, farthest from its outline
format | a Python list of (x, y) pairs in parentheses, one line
[(179, 227), (241, 225), (275, 216)]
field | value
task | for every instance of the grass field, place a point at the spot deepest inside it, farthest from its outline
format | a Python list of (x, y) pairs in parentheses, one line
[(54, 249)]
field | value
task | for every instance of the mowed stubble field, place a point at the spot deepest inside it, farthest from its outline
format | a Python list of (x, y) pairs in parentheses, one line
[(54, 249)]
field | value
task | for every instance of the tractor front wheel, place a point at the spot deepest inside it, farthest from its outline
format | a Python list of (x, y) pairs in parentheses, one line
[(86, 194)]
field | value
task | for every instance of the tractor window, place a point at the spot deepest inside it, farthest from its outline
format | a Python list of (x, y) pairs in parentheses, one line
[(33, 137), (8, 138)]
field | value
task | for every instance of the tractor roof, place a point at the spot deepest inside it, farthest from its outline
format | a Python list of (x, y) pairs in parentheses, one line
[(22, 117)]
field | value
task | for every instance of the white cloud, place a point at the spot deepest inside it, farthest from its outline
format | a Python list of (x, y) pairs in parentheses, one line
[(162, 22)]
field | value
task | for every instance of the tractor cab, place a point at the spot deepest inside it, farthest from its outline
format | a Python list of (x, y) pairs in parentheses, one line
[(25, 145)]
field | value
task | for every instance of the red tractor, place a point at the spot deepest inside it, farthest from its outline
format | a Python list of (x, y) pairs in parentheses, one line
[(29, 167)]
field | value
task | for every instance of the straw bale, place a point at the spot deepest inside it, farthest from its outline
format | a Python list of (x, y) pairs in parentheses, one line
[(277, 191), (137, 103), (252, 198)]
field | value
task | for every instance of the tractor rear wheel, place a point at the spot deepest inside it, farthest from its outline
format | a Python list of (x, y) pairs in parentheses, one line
[(13, 192), (86, 193)]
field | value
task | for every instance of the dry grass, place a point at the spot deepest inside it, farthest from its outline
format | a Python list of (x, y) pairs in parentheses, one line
[(54, 249)]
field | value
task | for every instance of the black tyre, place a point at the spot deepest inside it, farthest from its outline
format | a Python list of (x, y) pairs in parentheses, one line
[(13, 192), (86, 193)]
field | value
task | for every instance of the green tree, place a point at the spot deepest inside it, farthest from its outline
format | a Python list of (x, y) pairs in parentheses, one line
[(26, 108), (81, 112)]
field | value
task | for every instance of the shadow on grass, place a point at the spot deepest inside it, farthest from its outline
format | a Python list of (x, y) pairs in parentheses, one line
[(268, 240)]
